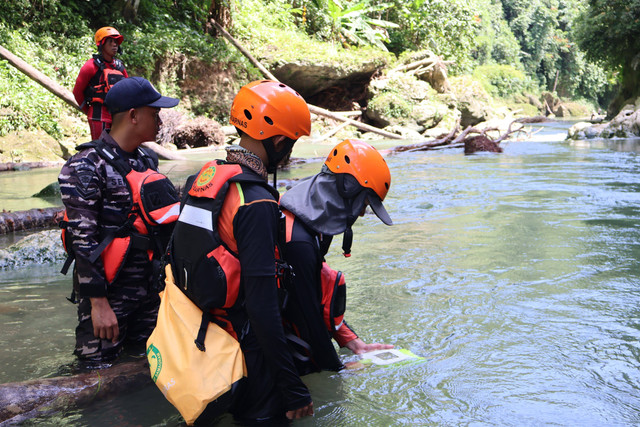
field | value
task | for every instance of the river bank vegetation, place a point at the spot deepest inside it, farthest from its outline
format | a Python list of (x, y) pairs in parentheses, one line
[(492, 58)]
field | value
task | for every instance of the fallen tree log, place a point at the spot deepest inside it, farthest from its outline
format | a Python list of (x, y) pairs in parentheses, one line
[(25, 220), (471, 143), (432, 69), (40, 78), (430, 61), (425, 145), (314, 109), (13, 166), (39, 217), (362, 126), (163, 153), (20, 401)]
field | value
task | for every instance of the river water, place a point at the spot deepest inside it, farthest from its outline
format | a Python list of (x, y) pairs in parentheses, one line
[(515, 275)]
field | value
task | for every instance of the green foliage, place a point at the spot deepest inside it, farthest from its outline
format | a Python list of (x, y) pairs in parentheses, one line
[(56, 37), (25, 104), (17, 109), (494, 42), (278, 39), (609, 31), (276, 14), (354, 23), (502, 80), (51, 17), (146, 47), (446, 27), (544, 31)]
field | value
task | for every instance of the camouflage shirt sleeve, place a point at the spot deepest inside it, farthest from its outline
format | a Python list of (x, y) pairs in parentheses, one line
[(81, 187)]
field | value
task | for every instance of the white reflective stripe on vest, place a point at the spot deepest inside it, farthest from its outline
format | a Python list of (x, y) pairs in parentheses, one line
[(173, 212), (197, 217)]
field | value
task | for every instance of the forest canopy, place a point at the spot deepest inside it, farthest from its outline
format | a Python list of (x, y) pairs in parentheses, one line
[(514, 46)]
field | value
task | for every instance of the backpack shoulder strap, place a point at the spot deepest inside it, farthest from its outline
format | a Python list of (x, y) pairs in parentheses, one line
[(85, 145), (118, 65), (185, 190), (108, 154), (250, 177), (149, 157), (97, 59)]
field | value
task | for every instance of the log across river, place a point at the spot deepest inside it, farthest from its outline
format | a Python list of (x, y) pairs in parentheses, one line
[(41, 397)]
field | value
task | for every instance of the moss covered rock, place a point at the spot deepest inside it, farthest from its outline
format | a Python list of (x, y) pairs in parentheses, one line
[(402, 99), (29, 146), (38, 248)]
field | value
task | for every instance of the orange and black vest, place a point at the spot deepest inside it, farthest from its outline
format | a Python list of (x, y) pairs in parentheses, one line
[(155, 207), (315, 311), (103, 80), (203, 250), (332, 283)]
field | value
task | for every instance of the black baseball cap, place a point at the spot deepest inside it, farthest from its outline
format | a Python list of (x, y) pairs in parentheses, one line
[(136, 92)]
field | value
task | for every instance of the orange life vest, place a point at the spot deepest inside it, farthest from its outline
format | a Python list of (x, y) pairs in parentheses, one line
[(203, 251), (334, 297), (154, 204), (333, 286), (103, 79)]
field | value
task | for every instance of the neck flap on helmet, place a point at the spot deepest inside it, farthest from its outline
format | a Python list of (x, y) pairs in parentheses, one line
[(319, 201)]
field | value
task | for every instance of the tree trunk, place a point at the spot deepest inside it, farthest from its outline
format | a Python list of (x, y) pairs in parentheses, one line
[(629, 90), (25, 220), (220, 12), (130, 10), (40, 78), (12, 166), (23, 400)]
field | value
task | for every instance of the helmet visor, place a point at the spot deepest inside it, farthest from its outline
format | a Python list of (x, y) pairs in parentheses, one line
[(378, 208)]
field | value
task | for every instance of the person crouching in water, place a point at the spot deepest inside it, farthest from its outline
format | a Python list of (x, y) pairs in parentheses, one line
[(354, 176), (223, 254)]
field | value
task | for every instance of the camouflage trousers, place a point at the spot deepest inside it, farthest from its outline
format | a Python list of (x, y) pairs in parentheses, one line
[(136, 320)]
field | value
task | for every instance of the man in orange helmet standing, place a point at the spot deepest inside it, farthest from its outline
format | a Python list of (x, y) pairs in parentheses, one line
[(223, 251), (354, 176), (97, 76)]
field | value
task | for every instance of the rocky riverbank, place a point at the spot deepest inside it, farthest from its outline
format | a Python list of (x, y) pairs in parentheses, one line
[(626, 124)]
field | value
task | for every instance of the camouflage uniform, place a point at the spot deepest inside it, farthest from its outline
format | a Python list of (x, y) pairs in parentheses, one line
[(97, 201)]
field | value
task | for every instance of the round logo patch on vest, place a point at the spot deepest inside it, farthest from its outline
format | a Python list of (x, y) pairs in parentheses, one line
[(155, 361), (205, 177)]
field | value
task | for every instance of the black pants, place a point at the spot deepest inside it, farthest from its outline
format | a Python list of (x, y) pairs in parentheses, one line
[(136, 320)]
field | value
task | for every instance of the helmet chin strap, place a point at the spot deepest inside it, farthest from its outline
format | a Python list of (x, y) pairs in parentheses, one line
[(275, 157), (347, 238)]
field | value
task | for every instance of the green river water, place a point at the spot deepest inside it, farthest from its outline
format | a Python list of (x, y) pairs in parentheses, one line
[(515, 275)]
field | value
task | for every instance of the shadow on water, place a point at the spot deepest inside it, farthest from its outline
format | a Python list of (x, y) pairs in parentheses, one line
[(514, 275)]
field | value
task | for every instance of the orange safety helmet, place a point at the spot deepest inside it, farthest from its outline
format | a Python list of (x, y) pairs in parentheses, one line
[(364, 162), (105, 32), (267, 108)]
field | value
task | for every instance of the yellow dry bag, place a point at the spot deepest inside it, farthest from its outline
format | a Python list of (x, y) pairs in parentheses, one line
[(190, 378)]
